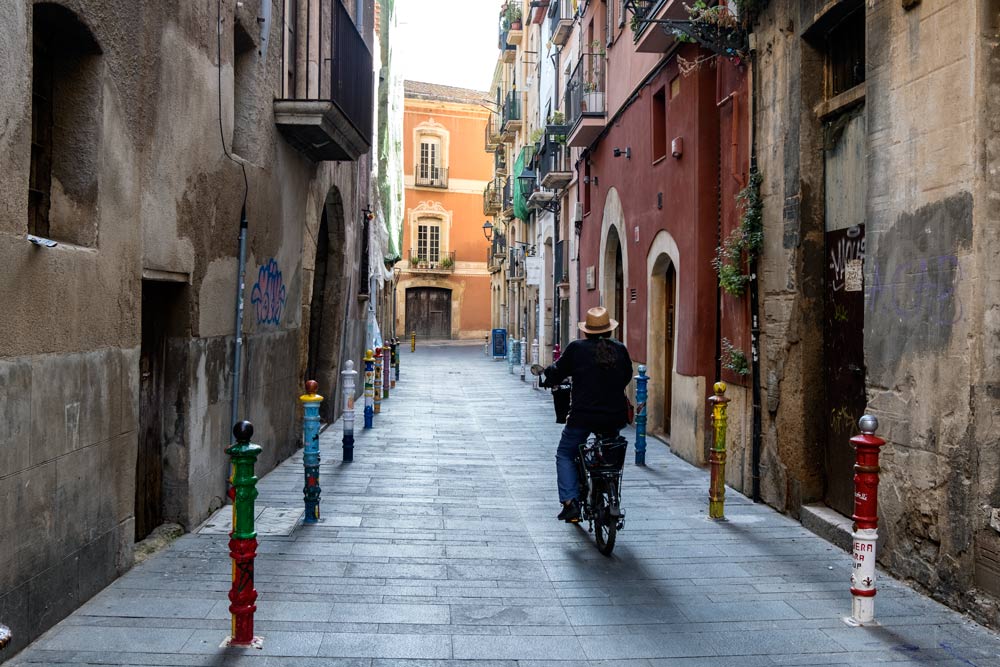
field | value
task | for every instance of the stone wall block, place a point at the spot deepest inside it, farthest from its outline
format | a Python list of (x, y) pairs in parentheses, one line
[(37, 547), (117, 478), (15, 416), (77, 507), (54, 593)]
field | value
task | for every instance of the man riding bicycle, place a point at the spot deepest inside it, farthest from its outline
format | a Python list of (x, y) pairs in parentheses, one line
[(601, 369)]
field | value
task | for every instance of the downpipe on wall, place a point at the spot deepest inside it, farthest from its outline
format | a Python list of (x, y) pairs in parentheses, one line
[(238, 348), (755, 440)]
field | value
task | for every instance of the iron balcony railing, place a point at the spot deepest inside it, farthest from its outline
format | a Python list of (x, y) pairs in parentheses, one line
[(497, 252), (500, 162), (512, 107), (644, 9), (433, 177), (492, 198), (560, 12), (551, 156), (585, 88), (508, 194), (428, 260), (342, 65), (493, 138)]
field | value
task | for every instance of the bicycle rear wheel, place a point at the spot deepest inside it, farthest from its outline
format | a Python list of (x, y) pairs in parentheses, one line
[(605, 525)]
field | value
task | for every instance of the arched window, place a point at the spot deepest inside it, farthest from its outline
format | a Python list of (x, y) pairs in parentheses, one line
[(429, 169), (430, 159)]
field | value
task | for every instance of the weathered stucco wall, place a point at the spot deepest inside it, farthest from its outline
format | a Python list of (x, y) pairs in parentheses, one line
[(166, 205)]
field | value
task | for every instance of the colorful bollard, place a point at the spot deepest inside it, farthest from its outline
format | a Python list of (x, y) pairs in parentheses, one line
[(350, 376), (386, 370), (369, 389), (866, 470), (524, 356), (717, 457), (512, 351), (394, 346), (641, 394), (243, 538), (378, 380), (310, 453), (413, 341), (556, 353)]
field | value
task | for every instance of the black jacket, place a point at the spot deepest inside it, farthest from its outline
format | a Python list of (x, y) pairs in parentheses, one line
[(598, 398)]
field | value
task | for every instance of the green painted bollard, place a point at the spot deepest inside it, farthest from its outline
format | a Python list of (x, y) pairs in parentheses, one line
[(386, 370), (717, 457), (243, 539)]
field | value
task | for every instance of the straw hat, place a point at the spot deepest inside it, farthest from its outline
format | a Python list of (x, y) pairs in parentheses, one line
[(598, 321)]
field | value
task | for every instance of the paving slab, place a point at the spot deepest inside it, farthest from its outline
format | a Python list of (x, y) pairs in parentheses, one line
[(438, 547)]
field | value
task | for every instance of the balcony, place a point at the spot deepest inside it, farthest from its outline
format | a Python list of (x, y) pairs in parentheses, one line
[(508, 51), (326, 109), (434, 177), (585, 100), (424, 261), (492, 198), (652, 38), (511, 23), (512, 123), (493, 136), (560, 21), (500, 163), (496, 253), (507, 199), (554, 171)]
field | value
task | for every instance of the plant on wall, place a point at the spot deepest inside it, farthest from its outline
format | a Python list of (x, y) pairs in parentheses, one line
[(732, 258), (734, 359)]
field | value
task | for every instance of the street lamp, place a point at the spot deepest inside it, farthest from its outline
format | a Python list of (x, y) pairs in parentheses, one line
[(488, 230), (527, 182)]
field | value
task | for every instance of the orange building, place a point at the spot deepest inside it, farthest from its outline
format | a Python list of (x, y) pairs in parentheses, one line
[(443, 289)]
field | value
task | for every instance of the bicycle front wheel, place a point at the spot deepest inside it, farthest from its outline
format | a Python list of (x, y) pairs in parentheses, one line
[(605, 525)]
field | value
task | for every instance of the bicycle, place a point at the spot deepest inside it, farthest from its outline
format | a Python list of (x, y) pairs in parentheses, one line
[(601, 461)]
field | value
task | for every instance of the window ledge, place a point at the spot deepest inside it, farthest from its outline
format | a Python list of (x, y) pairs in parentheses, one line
[(846, 100)]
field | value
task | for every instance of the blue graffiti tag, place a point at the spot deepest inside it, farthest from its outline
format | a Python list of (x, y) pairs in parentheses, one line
[(268, 295)]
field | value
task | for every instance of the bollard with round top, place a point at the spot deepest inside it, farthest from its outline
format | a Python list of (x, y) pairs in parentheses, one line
[(717, 457), (413, 341), (350, 376), (310, 454), (369, 389), (394, 346), (243, 538), (641, 381), (377, 389), (866, 471), (386, 370)]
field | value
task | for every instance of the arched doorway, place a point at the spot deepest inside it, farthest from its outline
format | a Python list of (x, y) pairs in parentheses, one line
[(614, 281), (662, 342), (327, 307)]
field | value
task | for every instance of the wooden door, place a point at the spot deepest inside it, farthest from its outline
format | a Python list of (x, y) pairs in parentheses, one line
[(843, 341), (619, 312), (668, 343), (428, 312), (157, 300)]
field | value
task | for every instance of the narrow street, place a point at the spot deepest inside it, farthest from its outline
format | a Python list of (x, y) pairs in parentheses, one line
[(438, 546)]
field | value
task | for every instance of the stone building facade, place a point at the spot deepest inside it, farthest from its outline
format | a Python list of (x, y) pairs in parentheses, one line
[(133, 135), (878, 139)]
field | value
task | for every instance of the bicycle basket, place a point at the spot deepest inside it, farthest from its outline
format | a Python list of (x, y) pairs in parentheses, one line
[(606, 454)]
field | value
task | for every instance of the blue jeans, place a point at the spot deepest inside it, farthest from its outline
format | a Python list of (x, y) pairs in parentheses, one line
[(567, 472)]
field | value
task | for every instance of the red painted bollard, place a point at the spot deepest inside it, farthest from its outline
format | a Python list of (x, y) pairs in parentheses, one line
[(243, 539), (5, 637), (866, 469)]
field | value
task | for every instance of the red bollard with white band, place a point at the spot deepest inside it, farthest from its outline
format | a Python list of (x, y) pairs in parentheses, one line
[(866, 469)]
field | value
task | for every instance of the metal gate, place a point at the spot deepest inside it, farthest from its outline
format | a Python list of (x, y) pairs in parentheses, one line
[(428, 312)]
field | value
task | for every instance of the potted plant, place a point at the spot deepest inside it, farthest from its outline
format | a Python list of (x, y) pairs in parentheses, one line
[(514, 15), (593, 97), (414, 260), (446, 262)]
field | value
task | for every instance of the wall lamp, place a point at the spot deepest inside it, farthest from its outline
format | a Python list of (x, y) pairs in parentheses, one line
[(628, 152), (488, 230)]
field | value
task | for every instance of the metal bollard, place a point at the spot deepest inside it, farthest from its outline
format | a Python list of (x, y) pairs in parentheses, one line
[(386, 370), (394, 346), (310, 455), (717, 457), (243, 538), (512, 346), (640, 415), (413, 341), (369, 388), (349, 379), (378, 380), (866, 470), (524, 354)]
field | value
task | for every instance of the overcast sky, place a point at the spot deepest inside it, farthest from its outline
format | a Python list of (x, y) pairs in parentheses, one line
[(451, 42)]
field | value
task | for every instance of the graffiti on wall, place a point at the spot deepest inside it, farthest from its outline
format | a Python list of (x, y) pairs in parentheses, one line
[(846, 258), (268, 295), (923, 289)]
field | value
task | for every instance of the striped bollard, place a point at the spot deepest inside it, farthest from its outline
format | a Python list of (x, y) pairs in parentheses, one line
[(866, 470), (717, 457), (369, 389), (524, 356), (413, 341), (243, 539), (512, 347), (378, 380), (386, 370), (641, 394), (310, 453), (349, 379)]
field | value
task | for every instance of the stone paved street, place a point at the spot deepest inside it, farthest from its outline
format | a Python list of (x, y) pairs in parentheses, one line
[(439, 547)]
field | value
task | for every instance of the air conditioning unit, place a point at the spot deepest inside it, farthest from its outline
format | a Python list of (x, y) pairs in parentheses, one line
[(577, 211)]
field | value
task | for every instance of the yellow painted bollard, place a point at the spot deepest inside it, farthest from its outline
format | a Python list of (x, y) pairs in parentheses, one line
[(717, 457), (413, 341)]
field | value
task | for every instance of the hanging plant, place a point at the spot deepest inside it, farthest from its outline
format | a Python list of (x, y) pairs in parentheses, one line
[(733, 258), (733, 358)]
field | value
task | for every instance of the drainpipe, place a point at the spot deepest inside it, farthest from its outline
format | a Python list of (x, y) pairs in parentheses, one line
[(238, 351), (755, 442)]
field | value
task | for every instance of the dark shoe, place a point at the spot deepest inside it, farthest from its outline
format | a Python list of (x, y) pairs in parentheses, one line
[(570, 512)]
